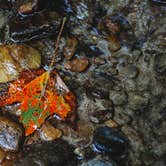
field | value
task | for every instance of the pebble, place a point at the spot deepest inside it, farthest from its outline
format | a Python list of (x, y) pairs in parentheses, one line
[(80, 153), (130, 84), (94, 92), (121, 117), (118, 97), (137, 101), (114, 44), (160, 63), (111, 26), (2, 155), (111, 141), (49, 132), (2, 20), (70, 47), (77, 64), (111, 123), (27, 7), (99, 60), (10, 134), (129, 71), (100, 116)]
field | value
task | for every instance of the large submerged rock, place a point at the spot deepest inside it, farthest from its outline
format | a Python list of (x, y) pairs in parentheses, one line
[(15, 58), (34, 27), (54, 153)]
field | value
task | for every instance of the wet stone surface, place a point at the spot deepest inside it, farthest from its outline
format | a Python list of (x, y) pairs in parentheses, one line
[(48, 153), (112, 56), (99, 162), (110, 141), (10, 135)]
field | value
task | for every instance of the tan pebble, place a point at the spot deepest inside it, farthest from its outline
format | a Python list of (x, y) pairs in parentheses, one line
[(49, 132), (77, 64), (70, 47), (26, 8), (111, 123)]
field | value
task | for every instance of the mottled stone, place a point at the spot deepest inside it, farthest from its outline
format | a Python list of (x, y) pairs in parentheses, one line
[(118, 97), (10, 134)]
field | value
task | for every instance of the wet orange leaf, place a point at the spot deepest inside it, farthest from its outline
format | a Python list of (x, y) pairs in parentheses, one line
[(36, 104)]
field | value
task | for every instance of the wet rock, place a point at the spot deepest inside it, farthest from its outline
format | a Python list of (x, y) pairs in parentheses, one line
[(80, 153), (144, 81), (49, 132), (91, 50), (114, 44), (101, 77), (77, 64), (112, 27), (99, 162), (53, 153), (103, 45), (121, 117), (4, 4), (130, 85), (2, 20), (99, 60), (111, 123), (100, 116), (129, 71), (159, 1), (85, 131), (2, 155), (40, 25), (13, 109), (70, 48), (118, 97), (113, 60), (10, 134), (138, 101), (120, 19), (160, 63), (28, 7), (98, 93), (15, 58), (111, 141)]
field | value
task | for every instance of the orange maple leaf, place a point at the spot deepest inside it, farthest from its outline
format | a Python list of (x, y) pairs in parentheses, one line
[(41, 94)]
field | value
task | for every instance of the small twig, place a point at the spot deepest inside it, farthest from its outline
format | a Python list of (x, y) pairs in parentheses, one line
[(57, 43), (54, 56)]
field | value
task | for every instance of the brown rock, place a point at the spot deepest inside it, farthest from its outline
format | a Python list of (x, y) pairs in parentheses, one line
[(49, 132), (77, 64), (111, 26), (2, 155), (84, 129), (114, 44), (17, 57), (27, 7), (70, 47), (111, 123)]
